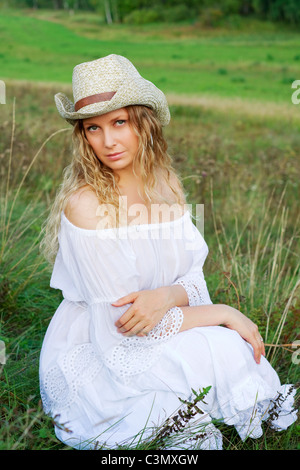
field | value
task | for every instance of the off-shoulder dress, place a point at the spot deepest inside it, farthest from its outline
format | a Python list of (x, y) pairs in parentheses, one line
[(105, 390)]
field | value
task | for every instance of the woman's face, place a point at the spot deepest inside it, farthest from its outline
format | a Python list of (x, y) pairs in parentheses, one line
[(113, 139)]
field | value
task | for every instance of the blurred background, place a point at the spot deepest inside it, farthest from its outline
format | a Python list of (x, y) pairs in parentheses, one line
[(228, 69)]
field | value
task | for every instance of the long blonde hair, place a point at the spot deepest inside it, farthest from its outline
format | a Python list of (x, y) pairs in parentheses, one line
[(152, 160)]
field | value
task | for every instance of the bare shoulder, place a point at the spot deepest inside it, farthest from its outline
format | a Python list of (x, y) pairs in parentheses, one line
[(81, 208)]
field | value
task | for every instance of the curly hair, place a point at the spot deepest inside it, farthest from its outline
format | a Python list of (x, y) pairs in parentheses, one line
[(152, 160)]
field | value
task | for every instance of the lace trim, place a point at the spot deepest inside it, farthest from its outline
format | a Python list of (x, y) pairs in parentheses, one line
[(81, 364), (278, 412), (59, 386), (136, 354), (196, 290)]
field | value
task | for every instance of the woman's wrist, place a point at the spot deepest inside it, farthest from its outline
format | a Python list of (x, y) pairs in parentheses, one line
[(176, 295), (202, 315), (227, 313), (207, 315)]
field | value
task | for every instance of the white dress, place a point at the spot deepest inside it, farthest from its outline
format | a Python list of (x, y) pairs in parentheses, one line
[(105, 390)]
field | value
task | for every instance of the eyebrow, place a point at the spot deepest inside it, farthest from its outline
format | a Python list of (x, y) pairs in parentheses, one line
[(87, 124), (121, 116)]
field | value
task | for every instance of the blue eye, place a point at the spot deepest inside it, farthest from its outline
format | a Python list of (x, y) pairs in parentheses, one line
[(92, 128), (119, 122)]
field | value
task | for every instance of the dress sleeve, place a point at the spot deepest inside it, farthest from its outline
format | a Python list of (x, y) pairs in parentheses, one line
[(96, 272), (91, 268), (193, 280)]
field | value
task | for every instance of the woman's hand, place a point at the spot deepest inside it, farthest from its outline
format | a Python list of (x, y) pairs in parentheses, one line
[(219, 314), (248, 330), (147, 309)]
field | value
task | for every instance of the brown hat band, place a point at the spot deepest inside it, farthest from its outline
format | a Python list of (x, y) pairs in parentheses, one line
[(94, 99)]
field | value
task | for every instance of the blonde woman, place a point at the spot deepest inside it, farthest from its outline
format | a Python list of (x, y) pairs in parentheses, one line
[(137, 331)]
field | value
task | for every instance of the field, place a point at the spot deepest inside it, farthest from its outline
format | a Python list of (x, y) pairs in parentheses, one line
[(235, 140), (257, 66)]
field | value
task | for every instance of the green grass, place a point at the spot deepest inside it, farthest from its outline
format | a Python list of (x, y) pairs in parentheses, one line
[(258, 66), (246, 174), (240, 160)]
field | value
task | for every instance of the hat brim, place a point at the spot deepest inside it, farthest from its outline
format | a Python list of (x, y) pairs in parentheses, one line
[(137, 92)]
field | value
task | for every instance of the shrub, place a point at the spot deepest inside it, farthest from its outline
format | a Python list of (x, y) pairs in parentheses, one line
[(143, 16), (211, 16), (177, 13), (173, 14)]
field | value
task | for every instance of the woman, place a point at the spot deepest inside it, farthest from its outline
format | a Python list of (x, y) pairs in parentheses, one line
[(137, 333)]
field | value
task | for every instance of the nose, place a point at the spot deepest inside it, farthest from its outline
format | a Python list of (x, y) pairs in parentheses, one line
[(109, 138)]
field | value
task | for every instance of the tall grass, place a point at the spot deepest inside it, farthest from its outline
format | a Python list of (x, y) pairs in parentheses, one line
[(15, 225), (251, 227), (266, 269), (22, 282)]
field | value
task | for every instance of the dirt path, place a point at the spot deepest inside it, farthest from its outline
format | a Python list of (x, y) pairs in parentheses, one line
[(288, 111), (240, 107)]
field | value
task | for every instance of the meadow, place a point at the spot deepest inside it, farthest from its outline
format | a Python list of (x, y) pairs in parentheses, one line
[(255, 64), (235, 141)]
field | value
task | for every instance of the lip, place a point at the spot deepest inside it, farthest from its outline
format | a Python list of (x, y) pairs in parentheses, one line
[(115, 156)]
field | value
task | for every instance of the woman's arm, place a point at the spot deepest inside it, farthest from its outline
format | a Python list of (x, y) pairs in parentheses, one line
[(219, 314), (149, 306)]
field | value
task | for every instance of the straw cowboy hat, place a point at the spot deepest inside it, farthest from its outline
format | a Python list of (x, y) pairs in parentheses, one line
[(107, 84)]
